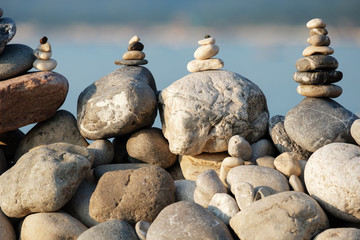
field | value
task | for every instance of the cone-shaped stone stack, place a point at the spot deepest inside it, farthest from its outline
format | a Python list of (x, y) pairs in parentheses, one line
[(44, 62), (317, 70), (134, 56), (203, 56)]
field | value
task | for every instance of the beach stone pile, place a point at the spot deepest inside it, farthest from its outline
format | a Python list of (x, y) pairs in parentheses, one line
[(210, 172), (134, 56), (43, 54)]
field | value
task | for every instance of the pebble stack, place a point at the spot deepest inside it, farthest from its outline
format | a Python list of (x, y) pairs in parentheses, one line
[(134, 56), (203, 56), (43, 53), (316, 70)]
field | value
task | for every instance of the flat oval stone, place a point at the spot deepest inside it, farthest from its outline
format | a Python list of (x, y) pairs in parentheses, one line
[(207, 64), (315, 122), (138, 46), (42, 54), (319, 40), (317, 77), (16, 59), (41, 94), (206, 51), (330, 91), (134, 55), (316, 62), (312, 50), (332, 179), (7, 32), (315, 23), (207, 41), (45, 65), (131, 62), (318, 31)]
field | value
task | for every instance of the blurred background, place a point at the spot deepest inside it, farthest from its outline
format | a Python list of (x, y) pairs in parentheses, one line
[(258, 39)]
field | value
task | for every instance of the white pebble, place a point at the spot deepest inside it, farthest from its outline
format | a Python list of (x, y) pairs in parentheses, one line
[(134, 39), (206, 51)]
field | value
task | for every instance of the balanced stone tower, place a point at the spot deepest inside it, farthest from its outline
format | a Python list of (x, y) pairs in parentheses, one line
[(134, 56), (316, 70), (43, 53)]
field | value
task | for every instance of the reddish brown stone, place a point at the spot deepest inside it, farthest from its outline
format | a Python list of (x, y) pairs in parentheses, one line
[(30, 98)]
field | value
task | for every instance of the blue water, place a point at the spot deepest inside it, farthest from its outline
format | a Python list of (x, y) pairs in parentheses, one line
[(271, 68)]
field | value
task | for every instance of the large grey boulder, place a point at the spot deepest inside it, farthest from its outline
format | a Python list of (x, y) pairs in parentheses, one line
[(332, 179), (201, 111), (44, 179), (315, 122), (286, 215), (119, 103), (187, 220)]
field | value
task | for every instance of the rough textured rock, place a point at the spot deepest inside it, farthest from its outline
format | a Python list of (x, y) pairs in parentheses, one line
[(201, 111), (184, 190), (51, 226), (110, 230), (150, 146), (187, 220), (7, 231), (43, 179), (7, 32), (132, 195), (281, 139), (332, 179), (30, 98), (103, 152), (119, 103), (59, 128), (257, 176), (192, 166), (339, 234), (294, 215), (239, 147), (16, 59), (315, 122)]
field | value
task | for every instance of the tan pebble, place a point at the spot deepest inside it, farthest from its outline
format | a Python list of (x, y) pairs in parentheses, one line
[(134, 55), (207, 64), (266, 161), (287, 164), (239, 147), (44, 65), (206, 51), (207, 41), (244, 194), (42, 54), (46, 47), (134, 39), (316, 23), (330, 91), (319, 40), (226, 165), (318, 31), (296, 184), (312, 50)]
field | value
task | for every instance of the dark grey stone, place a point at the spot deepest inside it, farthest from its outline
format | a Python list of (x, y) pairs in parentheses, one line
[(16, 59), (7, 31), (315, 122), (119, 103), (317, 77), (316, 62), (187, 220), (282, 141), (138, 46)]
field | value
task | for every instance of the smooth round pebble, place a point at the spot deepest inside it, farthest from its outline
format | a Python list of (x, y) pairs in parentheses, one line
[(131, 62), (244, 194), (206, 51), (223, 206), (207, 41), (44, 65), (312, 50), (134, 55), (134, 39), (317, 77), (203, 65), (227, 164), (288, 164), (317, 91), (319, 40), (42, 54), (239, 147), (315, 23), (316, 62), (296, 183), (318, 31), (355, 131), (266, 161), (46, 47), (135, 46), (261, 148), (103, 152)]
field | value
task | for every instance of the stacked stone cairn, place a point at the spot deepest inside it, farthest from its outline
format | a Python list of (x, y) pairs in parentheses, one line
[(203, 56), (43, 54), (316, 71), (134, 56)]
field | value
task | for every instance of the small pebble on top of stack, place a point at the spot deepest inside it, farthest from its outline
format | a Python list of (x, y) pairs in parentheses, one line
[(134, 56), (316, 70), (203, 56), (44, 62)]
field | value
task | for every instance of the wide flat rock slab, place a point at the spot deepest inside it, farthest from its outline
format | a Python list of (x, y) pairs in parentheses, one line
[(118, 103), (201, 111), (30, 98)]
